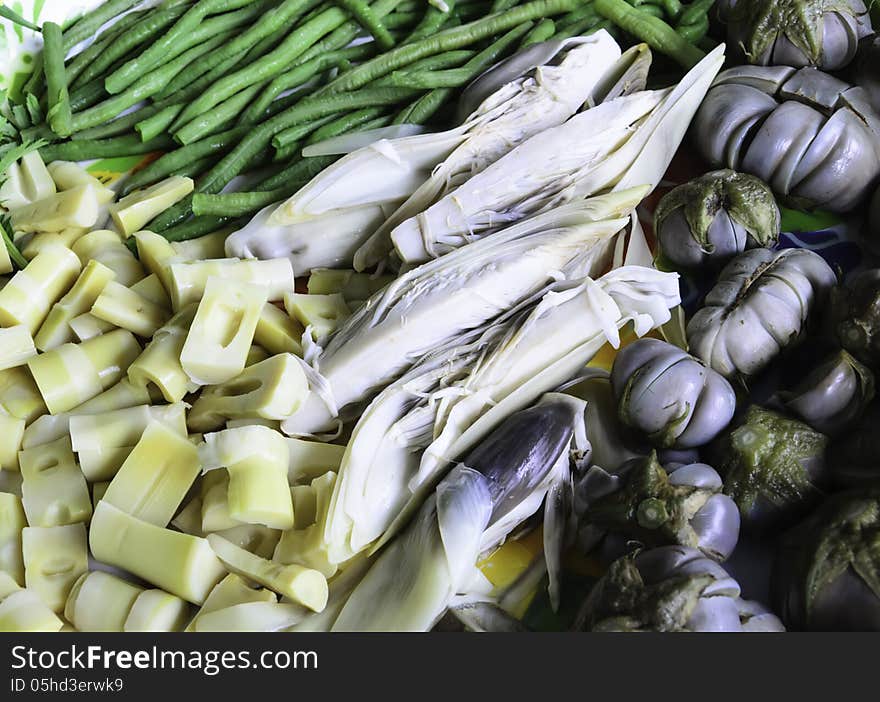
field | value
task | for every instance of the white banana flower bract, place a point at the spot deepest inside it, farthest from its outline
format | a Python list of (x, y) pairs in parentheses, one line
[(437, 302), (408, 436), (496, 487), (625, 141), (348, 201)]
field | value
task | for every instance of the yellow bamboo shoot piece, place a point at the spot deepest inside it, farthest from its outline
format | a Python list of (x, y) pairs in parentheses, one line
[(23, 611), (75, 208), (190, 278), (155, 478), (159, 365), (215, 502), (354, 287), (301, 585), (50, 427), (151, 288), (232, 590), (19, 395), (100, 601), (133, 211), (54, 558), (41, 240), (256, 459), (56, 330), (155, 610), (311, 459), (16, 346), (74, 373), (107, 247), (205, 247), (322, 314), (256, 538), (27, 181), (68, 175), (157, 254), (5, 266), (253, 617), (29, 296), (304, 544), (11, 435), (178, 563), (271, 389), (189, 519), (88, 326), (125, 308), (277, 332), (54, 490), (218, 342), (124, 427), (12, 521)]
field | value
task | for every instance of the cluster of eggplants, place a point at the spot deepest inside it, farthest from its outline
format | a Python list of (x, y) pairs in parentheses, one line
[(865, 73), (796, 32), (826, 574), (854, 456), (812, 137), (710, 219), (671, 589), (758, 308), (774, 467), (655, 505)]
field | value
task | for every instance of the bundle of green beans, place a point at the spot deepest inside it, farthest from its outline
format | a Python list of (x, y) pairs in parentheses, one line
[(230, 87)]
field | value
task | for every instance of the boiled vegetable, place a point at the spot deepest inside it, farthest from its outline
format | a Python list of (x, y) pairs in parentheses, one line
[(670, 396), (773, 467), (826, 573), (855, 314), (714, 217), (656, 505), (832, 395), (759, 307), (671, 588), (797, 32), (796, 130)]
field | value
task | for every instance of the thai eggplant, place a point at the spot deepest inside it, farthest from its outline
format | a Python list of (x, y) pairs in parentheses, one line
[(434, 303), (832, 395), (773, 467), (670, 396), (811, 137), (619, 144), (406, 438), (758, 308), (820, 33), (855, 316), (712, 218), (655, 505), (495, 487), (671, 588), (351, 206), (827, 571)]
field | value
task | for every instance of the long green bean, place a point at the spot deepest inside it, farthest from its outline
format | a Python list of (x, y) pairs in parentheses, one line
[(146, 86), (542, 31), (301, 74), (431, 22), (655, 32), (199, 226), (118, 126), (364, 16), (122, 45), (268, 66), (151, 126), (84, 150), (694, 11), (318, 107), (448, 40), (207, 123), (424, 108), (214, 146), (59, 115), (159, 51), (86, 58)]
